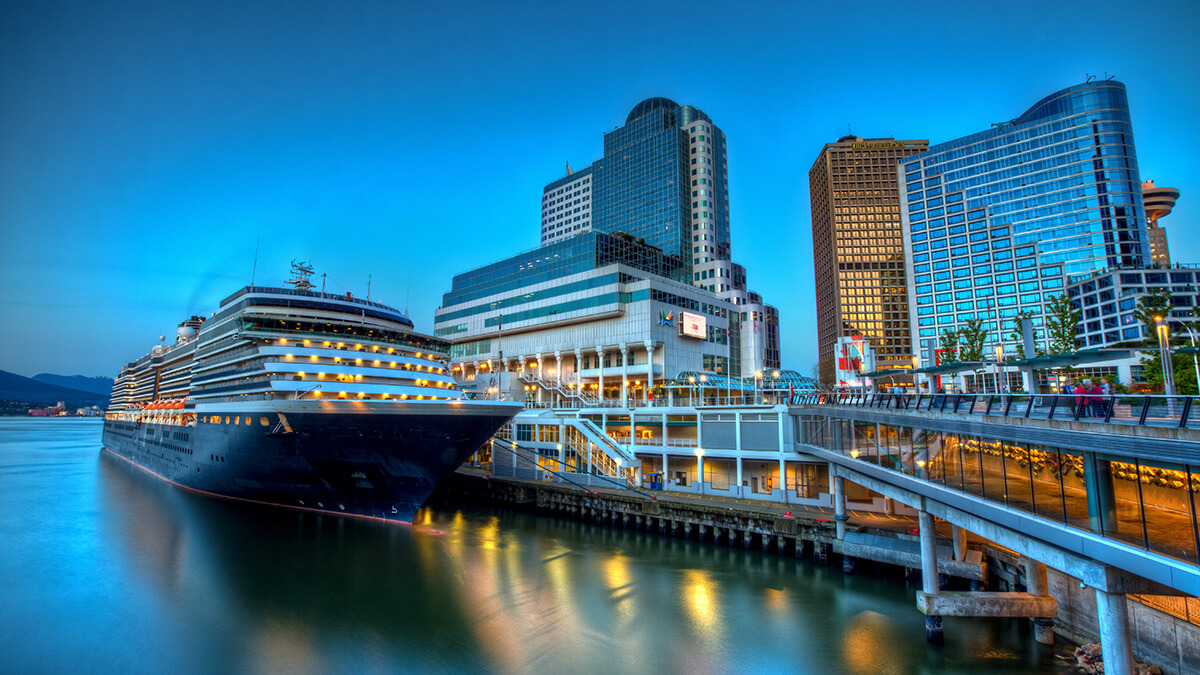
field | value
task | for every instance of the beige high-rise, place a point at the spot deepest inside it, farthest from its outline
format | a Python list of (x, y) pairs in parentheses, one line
[(858, 249)]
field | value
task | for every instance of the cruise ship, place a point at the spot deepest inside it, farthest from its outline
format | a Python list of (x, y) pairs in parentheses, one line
[(300, 398)]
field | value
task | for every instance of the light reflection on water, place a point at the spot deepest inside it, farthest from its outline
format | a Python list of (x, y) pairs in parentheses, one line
[(109, 569)]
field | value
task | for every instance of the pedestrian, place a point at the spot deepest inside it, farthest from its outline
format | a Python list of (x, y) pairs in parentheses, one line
[(1082, 399), (1099, 405), (1068, 390)]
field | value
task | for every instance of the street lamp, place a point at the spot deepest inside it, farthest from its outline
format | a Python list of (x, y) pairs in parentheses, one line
[(692, 390), (757, 381), (775, 385), (1164, 355), (703, 379)]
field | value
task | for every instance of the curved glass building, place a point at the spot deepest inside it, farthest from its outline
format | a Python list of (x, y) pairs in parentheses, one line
[(996, 222)]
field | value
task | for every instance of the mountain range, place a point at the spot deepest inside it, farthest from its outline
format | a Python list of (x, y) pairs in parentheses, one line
[(46, 388)]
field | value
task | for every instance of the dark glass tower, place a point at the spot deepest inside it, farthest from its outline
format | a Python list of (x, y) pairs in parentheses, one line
[(663, 178)]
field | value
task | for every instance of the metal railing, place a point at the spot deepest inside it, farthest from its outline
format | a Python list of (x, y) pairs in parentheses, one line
[(1125, 409)]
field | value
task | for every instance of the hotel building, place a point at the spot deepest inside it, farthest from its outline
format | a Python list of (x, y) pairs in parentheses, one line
[(996, 222), (858, 249)]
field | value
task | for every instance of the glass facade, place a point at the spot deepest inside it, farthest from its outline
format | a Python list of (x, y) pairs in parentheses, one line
[(996, 222)]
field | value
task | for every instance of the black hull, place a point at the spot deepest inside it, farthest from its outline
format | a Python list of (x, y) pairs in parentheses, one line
[(376, 464)]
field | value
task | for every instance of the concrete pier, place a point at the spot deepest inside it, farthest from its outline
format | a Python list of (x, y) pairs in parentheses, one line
[(1035, 583), (1115, 646), (929, 574)]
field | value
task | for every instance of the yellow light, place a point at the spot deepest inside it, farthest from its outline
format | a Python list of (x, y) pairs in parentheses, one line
[(282, 341), (300, 374), (313, 357), (307, 342), (385, 397), (403, 395), (420, 397), (320, 375), (340, 344), (393, 365), (854, 454), (288, 356), (358, 361), (360, 394), (341, 394), (418, 355), (358, 346)]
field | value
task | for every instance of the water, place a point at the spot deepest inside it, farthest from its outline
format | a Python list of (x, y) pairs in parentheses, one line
[(104, 568)]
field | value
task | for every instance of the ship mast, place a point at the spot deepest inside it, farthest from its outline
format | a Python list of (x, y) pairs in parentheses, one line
[(302, 271)]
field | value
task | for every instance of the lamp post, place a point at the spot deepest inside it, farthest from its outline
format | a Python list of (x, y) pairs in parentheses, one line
[(692, 390), (775, 385), (757, 381), (1164, 355), (703, 379), (999, 367)]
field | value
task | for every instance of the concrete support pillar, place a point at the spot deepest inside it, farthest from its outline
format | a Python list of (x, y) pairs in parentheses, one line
[(839, 506), (747, 539), (929, 573), (959, 536), (700, 473), (1036, 584), (600, 369), (1115, 646), (665, 475), (624, 375)]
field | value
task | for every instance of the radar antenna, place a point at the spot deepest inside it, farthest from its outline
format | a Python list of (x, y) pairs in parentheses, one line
[(302, 271)]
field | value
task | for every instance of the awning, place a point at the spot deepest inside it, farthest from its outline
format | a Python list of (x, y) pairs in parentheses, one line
[(1072, 358), (951, 368), (889, 372)]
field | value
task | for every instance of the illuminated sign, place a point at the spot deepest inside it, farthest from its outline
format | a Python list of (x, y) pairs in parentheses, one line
[(693, 325)]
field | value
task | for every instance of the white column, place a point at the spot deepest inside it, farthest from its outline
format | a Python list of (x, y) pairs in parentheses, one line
[(1115, 647), (783, 488), (579, 371), (540, 388), (558, 375), (650, 366), (624, 375), (664, 471), (739, 475), (600, 367), (700, 473)]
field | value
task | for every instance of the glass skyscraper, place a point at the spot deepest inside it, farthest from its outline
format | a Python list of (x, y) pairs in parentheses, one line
[(996, 222)]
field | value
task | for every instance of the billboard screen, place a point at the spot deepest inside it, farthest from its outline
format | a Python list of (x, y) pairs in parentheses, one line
[(693, 325)]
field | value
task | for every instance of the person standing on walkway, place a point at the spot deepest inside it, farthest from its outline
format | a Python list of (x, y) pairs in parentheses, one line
[(1096, 393), (1082, 401), (1068, 390)]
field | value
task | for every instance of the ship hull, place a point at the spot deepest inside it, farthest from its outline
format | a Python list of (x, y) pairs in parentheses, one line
[(373, 459)]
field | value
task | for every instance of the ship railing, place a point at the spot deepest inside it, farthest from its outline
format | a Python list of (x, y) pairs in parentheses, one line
[(343, 337)]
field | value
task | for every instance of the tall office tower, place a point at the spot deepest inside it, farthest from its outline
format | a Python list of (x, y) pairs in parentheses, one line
[(996, 222), (1159, 202), (664, 181), (858, 249)]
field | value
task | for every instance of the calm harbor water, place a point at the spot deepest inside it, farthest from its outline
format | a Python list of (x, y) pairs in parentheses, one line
[(104, 568)]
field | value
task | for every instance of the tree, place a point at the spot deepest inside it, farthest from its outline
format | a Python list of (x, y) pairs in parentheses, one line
[(949, 347), (1154, 304), (970, 340), (1019, 338), (1062, 323)]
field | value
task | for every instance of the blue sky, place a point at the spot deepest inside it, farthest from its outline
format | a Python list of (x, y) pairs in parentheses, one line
[(146, 147)]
